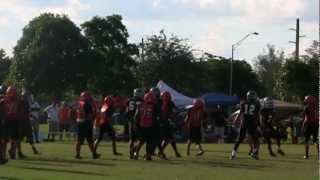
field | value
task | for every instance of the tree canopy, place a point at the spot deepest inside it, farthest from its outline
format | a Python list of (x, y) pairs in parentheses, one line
[(4, 65), (51, 56), (108, 37), (54, 56)]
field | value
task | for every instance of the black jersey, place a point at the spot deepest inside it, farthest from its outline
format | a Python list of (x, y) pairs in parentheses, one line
[(167, 112), (132, 105), (267, 116), (250, 110)]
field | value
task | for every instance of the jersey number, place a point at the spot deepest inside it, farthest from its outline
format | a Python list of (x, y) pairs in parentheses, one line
[(249, 109), (132, 106)]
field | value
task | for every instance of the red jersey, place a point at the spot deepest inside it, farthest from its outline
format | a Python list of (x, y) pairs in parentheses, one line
[(311, 115), (11, 109), (106, 113), (64, 114), (86, 111), (146, 115), (195, 117)]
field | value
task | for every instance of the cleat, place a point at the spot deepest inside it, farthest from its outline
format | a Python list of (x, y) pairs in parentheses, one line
[(147, 158), (178, 155), (273, 154), (96, 156), (281, 152), (255, 156), (162, 156), (117, 154), (3, 161), (22, 156), (78, 157), (12, 154), (233, 155), (135, 156), (200, 153)]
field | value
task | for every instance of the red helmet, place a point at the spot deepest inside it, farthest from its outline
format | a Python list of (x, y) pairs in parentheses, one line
[(108, 100), (310, 100), (198, 103), (11, 92), (149, 98), (84, 95), (166, 96)]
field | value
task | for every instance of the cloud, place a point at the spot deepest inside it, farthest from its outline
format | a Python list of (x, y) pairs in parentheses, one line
[(4, 22), (249, 10), (15, 14), (198, 3), (18, 10)]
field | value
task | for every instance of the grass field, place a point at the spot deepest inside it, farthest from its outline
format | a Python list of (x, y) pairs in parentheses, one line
[(56, 162)]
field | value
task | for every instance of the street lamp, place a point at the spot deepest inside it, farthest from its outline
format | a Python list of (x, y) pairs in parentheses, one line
[(231, 62)]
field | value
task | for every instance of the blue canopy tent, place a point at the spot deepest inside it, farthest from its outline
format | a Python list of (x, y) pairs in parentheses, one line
[(212, 99)]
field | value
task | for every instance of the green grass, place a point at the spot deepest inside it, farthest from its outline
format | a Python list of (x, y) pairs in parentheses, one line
[(57, 162)]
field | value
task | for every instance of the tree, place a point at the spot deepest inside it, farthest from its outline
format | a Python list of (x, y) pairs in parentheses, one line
[(52, 56), (268, 68), (4, 65), (295, 80), (313, 51), (301, 77), (169, 59), (218, 75), (108, 37)]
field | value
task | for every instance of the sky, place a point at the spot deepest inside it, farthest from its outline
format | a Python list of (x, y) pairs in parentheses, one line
[(209, 25)]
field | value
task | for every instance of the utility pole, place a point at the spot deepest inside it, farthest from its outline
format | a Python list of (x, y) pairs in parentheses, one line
[(297, 38), (142, 49), (297, 42)]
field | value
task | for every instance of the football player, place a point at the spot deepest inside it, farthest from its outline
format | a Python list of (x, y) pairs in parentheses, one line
[(249, 110)]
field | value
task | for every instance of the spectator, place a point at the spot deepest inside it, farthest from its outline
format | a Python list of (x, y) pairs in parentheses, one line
[(52, 113), (64, 119), (34, 117), (219, 123)]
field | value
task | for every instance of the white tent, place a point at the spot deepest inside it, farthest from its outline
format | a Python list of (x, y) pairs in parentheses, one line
[(179, 99)]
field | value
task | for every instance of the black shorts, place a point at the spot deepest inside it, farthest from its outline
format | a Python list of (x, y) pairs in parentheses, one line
[(107, 128), (156, 133), (64, 127), (85, 131), (252, 129), (166, 132), (11, 130), (25, 129), (248, 128), (311, 130), (270, 132), (134, 134), (2, 134), (195, 134), (147, 134)]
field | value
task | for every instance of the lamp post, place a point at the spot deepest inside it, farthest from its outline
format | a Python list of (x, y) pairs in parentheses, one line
[(231, 62)]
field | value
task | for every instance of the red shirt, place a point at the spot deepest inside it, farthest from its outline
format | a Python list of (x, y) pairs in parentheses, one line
[(311, 115), (146, 115), (195, 117), (64, 114), (11, 109), (106, 113)]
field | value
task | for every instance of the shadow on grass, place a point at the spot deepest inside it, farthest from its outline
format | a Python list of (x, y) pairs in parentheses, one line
[(8, 178), (219, 163), (65, 162), (219, 151), (62, 171), (42, 163), (233, 164)]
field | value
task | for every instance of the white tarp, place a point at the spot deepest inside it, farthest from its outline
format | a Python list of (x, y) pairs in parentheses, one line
[(179, 99)]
